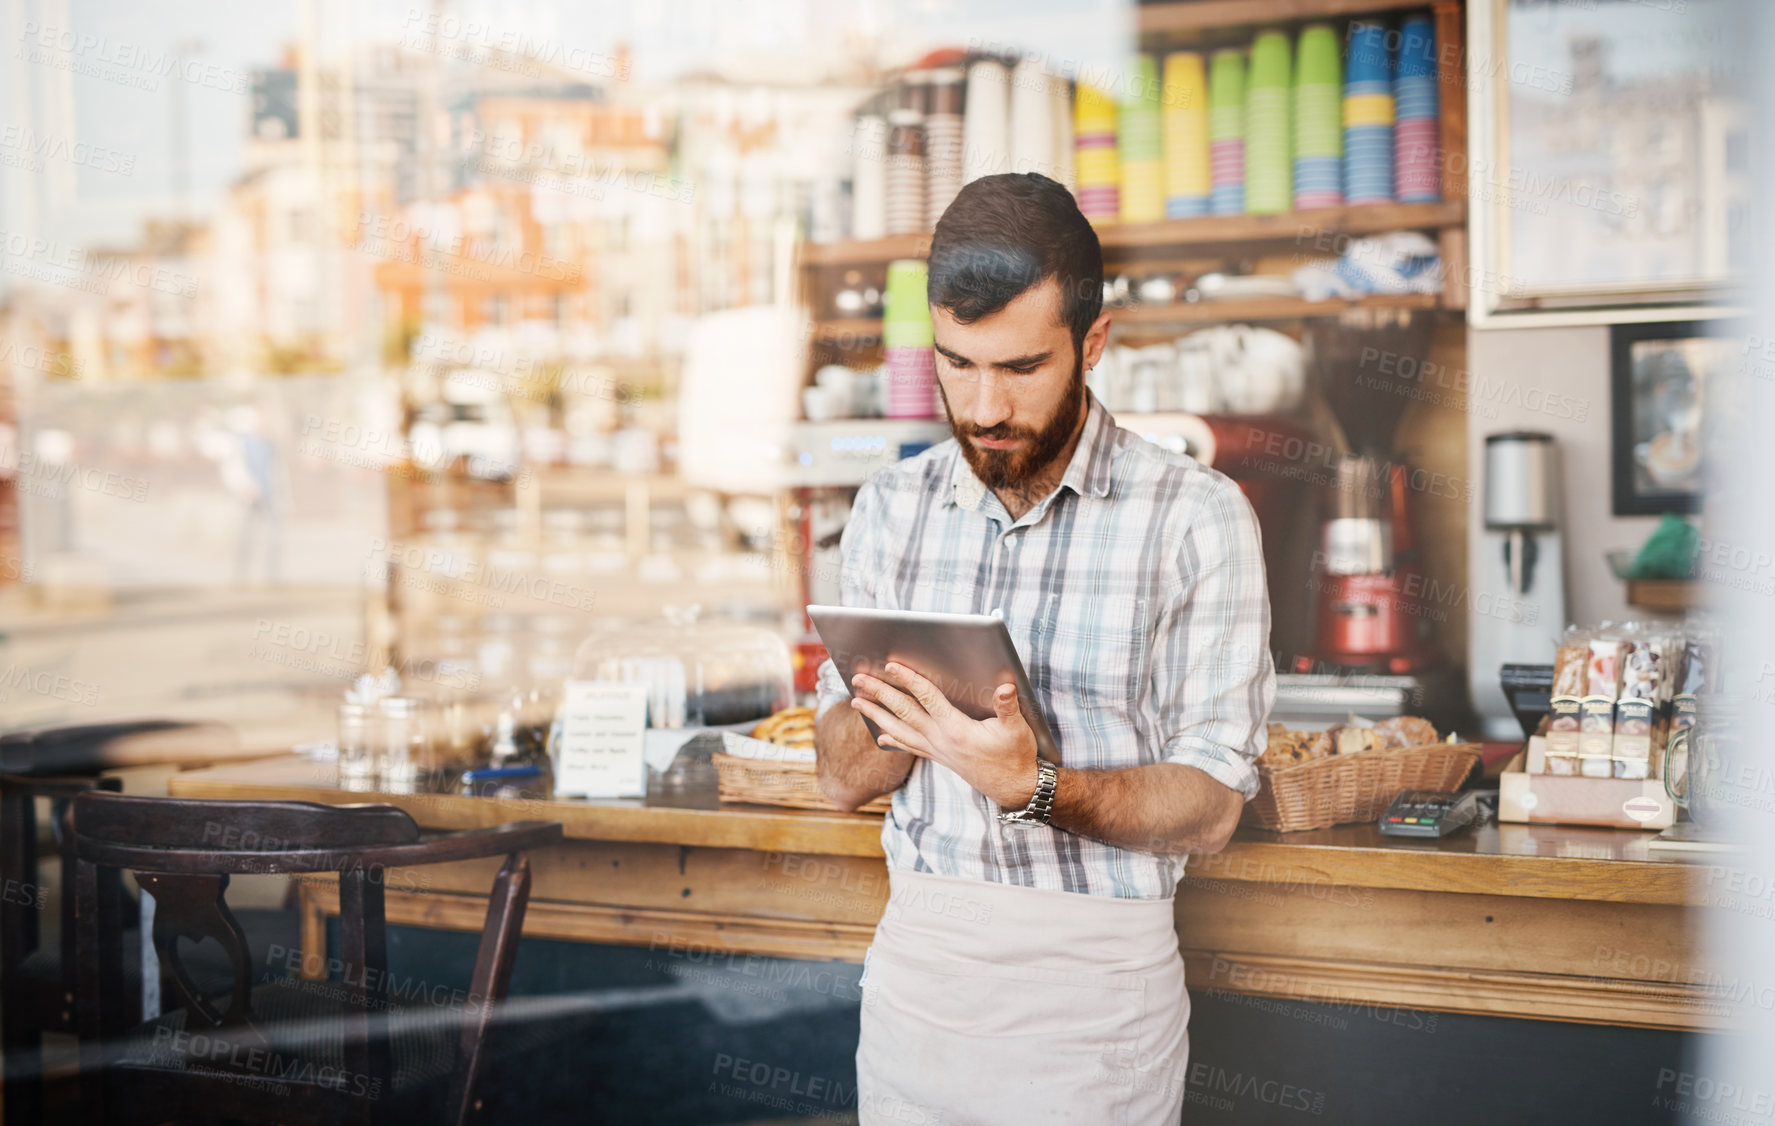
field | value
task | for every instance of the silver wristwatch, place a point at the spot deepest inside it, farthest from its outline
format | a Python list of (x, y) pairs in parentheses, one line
[(1041, 803)]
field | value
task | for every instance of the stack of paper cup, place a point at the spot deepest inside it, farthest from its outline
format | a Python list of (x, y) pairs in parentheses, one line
[(942, 142), (906, 190), (1140, 142), (1368, 116), (1032, 119), (1184, 100), (1318, 121), (1416, 143), (1268, 171), (986, 144), (1096, 164), (906, 335), (1060, 113), (869, 177), (1226, 130)]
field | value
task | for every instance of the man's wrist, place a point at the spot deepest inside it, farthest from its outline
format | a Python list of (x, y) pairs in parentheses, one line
[(1019, 787), (1038, 808), (1018, 796)]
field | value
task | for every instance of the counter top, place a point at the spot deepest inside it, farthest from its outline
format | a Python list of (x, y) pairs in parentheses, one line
[(761, 827), (1532, 861)]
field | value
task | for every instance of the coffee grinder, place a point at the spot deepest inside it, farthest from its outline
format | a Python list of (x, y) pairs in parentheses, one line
[(1371, 613), (1518, 604), (1367, 575)]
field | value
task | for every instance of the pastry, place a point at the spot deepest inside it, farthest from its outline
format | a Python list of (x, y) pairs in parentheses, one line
[(791, 727), (1286, 748), (1405, 731), (1604, 671), (1324, 744), (1569, 663), (1355, 740), (1641, 669)]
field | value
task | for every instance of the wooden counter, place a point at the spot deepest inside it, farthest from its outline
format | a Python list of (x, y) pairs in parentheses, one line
[(1512, 920)]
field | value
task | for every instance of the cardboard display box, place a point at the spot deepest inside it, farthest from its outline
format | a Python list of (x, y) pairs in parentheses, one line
[(1620, 803)]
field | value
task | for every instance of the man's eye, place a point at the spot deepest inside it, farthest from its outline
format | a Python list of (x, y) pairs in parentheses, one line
[(1020, 371)]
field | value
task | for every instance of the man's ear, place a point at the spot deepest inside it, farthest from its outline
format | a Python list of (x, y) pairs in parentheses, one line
[(1095, 338)]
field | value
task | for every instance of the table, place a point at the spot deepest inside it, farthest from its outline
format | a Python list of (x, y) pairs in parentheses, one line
[(1533, 921)]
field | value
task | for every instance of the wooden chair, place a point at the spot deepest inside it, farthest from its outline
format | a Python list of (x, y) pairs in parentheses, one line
[(37, 985), (287, 1051)]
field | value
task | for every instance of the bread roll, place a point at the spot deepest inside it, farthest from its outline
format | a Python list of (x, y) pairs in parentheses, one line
[(791, 727), (1406, 731)]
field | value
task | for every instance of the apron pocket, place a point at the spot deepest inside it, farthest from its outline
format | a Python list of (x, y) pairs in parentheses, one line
[(1000, 1043)]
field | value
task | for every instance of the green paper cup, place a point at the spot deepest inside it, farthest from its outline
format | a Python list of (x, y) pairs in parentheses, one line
[(1226, 79), (906, 319), (1142, 88), (1317, 57), (1269, 62)]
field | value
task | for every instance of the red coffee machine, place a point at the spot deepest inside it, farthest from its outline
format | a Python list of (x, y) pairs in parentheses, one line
[(1369, 586), (1367, 576)]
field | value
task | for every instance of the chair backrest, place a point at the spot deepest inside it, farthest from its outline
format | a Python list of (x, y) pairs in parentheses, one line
[(227, 827), (182, 852)]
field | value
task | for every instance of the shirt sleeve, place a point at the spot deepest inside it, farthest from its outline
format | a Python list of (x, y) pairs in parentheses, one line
[(856, 583), (1213, 679)]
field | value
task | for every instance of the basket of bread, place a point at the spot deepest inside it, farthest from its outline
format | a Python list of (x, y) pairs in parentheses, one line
[(1312, 779), (775, 765)]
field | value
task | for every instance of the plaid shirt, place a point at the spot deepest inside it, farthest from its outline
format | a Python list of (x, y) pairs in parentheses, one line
[(1134, 594)]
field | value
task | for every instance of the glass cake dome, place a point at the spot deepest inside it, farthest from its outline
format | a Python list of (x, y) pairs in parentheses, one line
[(699, 674)]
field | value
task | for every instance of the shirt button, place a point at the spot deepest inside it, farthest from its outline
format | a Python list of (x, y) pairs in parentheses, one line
[(996, 612)]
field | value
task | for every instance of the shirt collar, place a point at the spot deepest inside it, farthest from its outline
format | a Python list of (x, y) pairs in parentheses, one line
[(1087, 474)]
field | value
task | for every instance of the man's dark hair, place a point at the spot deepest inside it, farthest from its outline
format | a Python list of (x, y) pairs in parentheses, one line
[(1006, 234)]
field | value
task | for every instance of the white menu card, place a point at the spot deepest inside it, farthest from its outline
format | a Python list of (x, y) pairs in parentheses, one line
[(603, 735)]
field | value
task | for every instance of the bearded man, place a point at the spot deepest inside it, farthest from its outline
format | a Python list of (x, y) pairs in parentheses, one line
[(1026, 968)]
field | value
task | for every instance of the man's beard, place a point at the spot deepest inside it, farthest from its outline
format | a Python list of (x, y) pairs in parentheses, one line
[(1008, 469)]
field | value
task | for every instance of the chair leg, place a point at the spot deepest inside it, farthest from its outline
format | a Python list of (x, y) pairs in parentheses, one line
[(493, 976), (88, 997), (363, 934)]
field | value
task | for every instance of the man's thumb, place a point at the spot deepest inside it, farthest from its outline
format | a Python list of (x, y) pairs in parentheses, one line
[(1006, 702)]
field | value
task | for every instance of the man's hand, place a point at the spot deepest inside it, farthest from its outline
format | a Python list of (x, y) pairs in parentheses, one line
[(852, 769), (995, 756)]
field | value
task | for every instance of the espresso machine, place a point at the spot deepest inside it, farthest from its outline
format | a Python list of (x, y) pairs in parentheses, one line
[(1518, 580), (1367, 576), (1368, 580), (1370, 652)]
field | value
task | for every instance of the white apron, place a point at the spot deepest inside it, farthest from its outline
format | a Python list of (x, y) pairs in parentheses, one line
[(986, 1003)]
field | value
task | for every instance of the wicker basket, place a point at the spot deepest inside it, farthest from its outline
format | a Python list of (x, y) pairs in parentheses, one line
[(1339, 789), (767, 782)]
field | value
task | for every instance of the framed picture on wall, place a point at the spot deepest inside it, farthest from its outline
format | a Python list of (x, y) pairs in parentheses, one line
[(1610, 177), (1659, 377)]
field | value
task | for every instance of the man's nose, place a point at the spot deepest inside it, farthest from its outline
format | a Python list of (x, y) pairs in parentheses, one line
[(992, 406)]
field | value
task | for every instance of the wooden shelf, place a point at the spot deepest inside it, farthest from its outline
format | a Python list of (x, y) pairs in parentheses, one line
[(1667, 596), (1263, 309), (1184, 16), (849, 331), (1288, 227), (865, 251), (1284, 227), (866, 331)]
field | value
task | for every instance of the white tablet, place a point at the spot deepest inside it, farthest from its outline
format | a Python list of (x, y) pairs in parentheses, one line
[(967, 656)]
